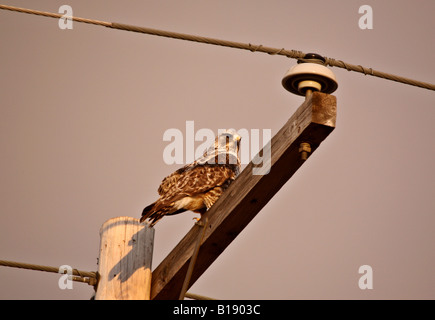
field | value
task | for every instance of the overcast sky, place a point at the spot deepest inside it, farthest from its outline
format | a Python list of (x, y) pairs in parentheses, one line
[(83, 113)]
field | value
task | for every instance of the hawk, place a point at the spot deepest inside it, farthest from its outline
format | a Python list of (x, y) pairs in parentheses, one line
[(197, 186)]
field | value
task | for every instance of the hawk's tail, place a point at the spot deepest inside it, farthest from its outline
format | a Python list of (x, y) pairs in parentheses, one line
[(155, 211), (147, 212)]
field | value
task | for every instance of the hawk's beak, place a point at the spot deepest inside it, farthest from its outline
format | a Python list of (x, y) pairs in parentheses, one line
[(238, 139)]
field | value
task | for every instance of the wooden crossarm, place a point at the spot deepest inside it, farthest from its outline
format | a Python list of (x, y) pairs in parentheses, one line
[(247, 195)]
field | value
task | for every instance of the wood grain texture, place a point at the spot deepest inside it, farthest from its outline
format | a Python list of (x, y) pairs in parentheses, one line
[(247, 195), (124, 266)]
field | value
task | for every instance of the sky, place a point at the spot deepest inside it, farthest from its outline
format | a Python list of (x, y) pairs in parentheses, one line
[(84, 111)]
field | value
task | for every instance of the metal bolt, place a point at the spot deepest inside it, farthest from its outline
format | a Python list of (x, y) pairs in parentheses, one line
[(304, 150), (308, 94)]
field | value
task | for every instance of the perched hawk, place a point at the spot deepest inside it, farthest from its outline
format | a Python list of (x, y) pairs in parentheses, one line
[(197, 186)]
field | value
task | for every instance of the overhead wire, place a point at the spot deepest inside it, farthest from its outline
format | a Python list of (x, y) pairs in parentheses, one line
[(77, 275), (294, 54), (90, 278)]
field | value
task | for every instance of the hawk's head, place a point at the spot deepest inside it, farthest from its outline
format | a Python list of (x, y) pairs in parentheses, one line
[(228, 141), (225, 149)]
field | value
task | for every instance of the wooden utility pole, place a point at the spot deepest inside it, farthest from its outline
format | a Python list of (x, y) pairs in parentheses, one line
[(247, 195), (124, 266)]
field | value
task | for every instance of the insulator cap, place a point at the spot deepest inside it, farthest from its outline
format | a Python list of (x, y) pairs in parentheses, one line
[(307, 75), (313, 56)]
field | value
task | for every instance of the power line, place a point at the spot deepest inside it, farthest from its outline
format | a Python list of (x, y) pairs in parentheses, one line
[(90, 278), (77, 275), (232, 44)]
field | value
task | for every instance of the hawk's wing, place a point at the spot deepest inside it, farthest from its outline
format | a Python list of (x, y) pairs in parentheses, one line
[(199, 181), (190, 181)]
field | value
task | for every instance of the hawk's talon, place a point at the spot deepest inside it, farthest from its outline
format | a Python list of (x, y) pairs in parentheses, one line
[(198, 221)]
